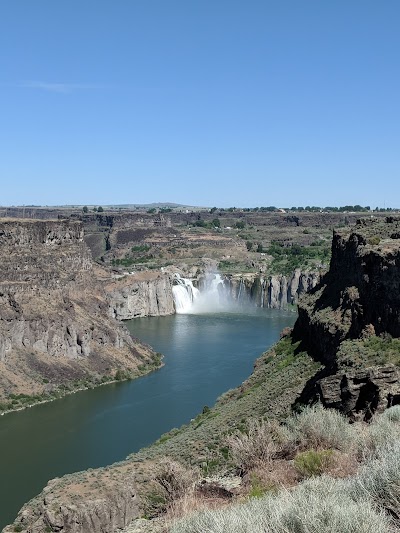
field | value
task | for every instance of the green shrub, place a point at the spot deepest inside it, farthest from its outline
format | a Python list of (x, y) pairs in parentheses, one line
[(313, 462), (121, 375)]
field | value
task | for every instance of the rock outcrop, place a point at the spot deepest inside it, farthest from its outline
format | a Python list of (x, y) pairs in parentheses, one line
[(360, 393), (141, 294), (100, 502), (350, 321)]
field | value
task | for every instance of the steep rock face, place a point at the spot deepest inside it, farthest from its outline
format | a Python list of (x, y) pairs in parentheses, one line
[(349, 319), (360, 289), (360, 393), (274, 292), (55, 324), (142, 294)]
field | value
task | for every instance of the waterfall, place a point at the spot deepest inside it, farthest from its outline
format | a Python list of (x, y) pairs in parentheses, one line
[(212, 297), (184, 294), (240, 289), (232, 294), (262, 281)]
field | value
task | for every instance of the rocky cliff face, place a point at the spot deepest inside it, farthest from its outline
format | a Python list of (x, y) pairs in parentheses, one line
[(100, 502), (361, 289), (348, 321), (141, 294), (274, 292), (150, 293), (55, 325)]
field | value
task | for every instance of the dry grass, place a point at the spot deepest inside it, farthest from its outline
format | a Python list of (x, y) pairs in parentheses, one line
[(354, 488), (270, 477), (318, 428), (262, 442), (172, 481), (190, 503), (320, 505)]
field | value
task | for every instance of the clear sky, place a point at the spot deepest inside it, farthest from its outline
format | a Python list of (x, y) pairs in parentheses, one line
[(200, 102)]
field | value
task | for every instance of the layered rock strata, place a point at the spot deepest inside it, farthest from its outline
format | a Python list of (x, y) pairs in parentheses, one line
[(141, 294), (55, 324)]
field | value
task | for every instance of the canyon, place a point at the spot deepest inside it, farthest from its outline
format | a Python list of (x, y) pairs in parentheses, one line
[(61, 314), (343, 350)]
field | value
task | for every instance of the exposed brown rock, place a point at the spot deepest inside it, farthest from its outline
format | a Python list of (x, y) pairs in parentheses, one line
[(360, 394), (55, 320)]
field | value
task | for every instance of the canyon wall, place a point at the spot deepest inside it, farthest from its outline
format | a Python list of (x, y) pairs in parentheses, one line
[(274, 291), (60, 312), (150, 293), (351, 321), (141, 294), (55, 324), (359, 293)]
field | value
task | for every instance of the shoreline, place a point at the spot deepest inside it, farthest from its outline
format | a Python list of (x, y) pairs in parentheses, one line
[(80, 389)]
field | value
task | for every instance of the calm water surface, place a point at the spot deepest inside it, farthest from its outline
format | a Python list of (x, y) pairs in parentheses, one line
[(204, 356)]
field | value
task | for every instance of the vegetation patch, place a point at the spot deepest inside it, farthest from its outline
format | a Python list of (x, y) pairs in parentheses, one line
[(372, 351), (313, 462)]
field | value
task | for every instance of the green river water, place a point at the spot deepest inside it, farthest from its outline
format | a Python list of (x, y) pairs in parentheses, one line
[(205, 355)]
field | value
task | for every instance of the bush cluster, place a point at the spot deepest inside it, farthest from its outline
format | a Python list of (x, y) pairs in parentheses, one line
[(325, 499)]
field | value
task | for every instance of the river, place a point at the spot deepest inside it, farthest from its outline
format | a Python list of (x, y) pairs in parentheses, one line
[(205, 355)]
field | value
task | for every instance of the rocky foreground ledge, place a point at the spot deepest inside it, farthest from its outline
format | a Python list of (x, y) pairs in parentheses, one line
[(344, 350)]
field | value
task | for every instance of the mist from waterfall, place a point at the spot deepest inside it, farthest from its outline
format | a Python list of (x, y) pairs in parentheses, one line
[(213, 296)]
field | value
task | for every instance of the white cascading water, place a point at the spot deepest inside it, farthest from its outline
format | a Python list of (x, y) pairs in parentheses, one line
[(185, 294), (262, 292), (189, 300)]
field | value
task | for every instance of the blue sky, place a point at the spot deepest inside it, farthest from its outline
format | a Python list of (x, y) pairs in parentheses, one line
[(211, 102)]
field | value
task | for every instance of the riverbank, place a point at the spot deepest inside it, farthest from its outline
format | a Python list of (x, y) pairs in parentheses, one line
[(60, 392)]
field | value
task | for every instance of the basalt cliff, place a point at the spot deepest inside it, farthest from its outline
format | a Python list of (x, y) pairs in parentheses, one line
[(351, 321), (56, 329), (344, 351)]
